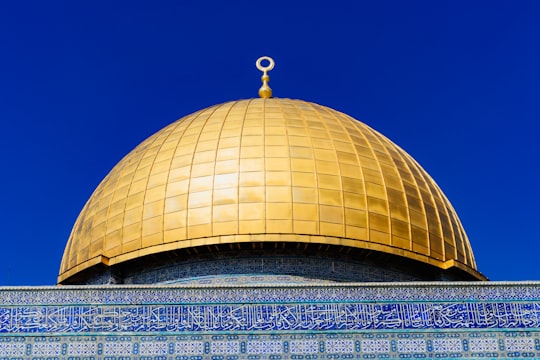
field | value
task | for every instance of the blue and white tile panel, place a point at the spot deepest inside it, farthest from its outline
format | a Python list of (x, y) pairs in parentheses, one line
[(282, 293), (430, 345)]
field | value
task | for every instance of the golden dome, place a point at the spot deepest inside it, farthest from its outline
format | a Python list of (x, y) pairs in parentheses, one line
[(267, 170)]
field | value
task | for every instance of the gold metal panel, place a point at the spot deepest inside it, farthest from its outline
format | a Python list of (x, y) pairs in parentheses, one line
[(150, 240), (331, 182), (325, 154), (176, 203), (354, 232), (331, 214), (377, 205), (176, 188), (225, 213), (204, 169), (303, 165), (114, 223), (201, 183), (131, 232), (305, 212), (252, 152), (225, 196), (301, 152), (331, 229), (375, 190), (152, 226), (200, 199), (252, 211), (350, 171), (354, 201), (251, 226), (305, 227), (327, 167), (175, 220), (174, 235), (226, 166), (356, 218), (279, 211), (254, 166), (352, 185), (278, 226), (372, 176), (330, 197), (252, 178), (378, 222), (277, 164), (153, 209), (225, 228), (300, 141), (154, 194), (112, 241), (278, 178), (400, 228), (128, 246), (229, 153), (251, 165), (304, 194), (278, 194), (379, 237)]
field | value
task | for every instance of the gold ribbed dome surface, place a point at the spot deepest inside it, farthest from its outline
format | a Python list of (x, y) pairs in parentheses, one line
[(266, 170)]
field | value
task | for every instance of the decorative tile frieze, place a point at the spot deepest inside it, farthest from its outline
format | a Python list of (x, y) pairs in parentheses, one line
[(418, 320), (343, 292)]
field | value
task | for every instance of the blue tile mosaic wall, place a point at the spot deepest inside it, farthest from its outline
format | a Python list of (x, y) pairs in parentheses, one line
[(430, 345), (308, 321)]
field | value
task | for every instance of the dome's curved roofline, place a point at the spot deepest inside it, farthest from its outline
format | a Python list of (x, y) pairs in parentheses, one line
[(267, 170)]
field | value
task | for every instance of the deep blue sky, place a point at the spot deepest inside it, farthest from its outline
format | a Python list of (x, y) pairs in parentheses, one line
[(455, 83)]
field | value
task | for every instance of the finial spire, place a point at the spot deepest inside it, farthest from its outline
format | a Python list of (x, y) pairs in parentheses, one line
[(265, 91)]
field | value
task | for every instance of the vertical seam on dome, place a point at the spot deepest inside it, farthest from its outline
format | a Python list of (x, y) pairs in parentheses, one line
[(339, 122), (264, 165), (332, 140), (239, 172), (433, 187), (171, 129), (166, 181), (399, 153), (394, 146), (315, 174), (362, 178), (191, 163), (280, 103), (212, 222), (406, 160), (383, 141), (422, 174), (240, 159), (358, 125), (178, 123)]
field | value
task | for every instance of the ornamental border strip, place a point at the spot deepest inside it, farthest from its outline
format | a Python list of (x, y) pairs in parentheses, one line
[(268, 317), (343, 292)]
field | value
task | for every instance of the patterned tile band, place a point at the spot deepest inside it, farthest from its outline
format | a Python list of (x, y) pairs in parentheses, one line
[(268, 317), (431, 345), (343, 292)]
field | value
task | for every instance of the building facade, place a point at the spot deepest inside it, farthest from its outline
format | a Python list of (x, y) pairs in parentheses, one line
[(269, 229)]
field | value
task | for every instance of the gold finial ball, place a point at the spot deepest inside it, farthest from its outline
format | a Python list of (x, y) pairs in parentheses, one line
[(265, 91)]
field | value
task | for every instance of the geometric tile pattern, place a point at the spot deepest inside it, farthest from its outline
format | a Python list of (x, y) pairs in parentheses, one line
[(308, 321), (356, 345), (465, 292)]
